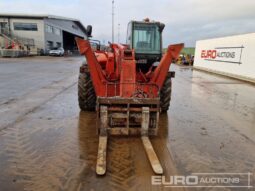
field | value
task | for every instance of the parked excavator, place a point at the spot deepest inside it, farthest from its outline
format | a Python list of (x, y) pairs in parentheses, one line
[(128, 86)]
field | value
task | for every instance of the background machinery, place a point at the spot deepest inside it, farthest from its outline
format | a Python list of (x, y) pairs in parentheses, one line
[(128, 86)]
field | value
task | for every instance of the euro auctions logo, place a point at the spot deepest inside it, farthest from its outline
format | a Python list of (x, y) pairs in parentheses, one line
[(223, 54), (213, 54), (200, 180)]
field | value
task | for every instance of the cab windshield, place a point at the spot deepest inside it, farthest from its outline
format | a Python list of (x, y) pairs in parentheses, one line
[(146, 38)]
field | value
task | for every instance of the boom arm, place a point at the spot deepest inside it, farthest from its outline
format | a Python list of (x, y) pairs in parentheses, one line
[(97, 75), (127, 85), (162, 69)]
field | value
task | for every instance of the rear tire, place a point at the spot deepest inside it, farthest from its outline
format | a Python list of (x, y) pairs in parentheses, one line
[(86, 92), (165, 93)]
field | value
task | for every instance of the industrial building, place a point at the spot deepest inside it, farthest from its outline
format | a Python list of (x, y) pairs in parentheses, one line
[(42, 32)]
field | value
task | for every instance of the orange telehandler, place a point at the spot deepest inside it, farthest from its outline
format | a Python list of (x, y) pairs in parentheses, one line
[(128, 86)]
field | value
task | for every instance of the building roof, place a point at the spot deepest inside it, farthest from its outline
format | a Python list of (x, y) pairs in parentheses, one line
[(37, 16)]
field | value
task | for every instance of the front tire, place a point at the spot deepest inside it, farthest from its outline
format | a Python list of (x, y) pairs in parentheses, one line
[(86, 93), (165, 93)]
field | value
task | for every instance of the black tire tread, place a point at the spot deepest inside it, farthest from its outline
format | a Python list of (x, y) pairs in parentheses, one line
[(86, 92), (165, 93)]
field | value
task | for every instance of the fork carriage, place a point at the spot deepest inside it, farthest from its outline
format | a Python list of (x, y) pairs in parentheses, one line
[(127, 116), (124, 115)]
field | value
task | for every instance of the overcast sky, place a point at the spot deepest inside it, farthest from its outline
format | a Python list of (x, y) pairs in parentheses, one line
[(186, 21)]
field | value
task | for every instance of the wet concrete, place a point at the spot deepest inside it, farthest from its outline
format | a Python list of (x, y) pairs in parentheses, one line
[(46, 143)]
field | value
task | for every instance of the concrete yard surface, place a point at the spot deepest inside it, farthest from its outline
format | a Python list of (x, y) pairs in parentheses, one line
[(47, 143)]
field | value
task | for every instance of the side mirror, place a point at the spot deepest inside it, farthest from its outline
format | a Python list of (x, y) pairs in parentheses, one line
[(161, 27), (89, 30)]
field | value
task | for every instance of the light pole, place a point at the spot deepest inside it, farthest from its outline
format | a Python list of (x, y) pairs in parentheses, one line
[(112, 21), (118, 33)]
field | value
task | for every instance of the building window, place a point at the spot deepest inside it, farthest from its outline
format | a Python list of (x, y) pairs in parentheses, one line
[(50, 44), (25, 26), (58, 44), (49, 29), (57, 31)]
